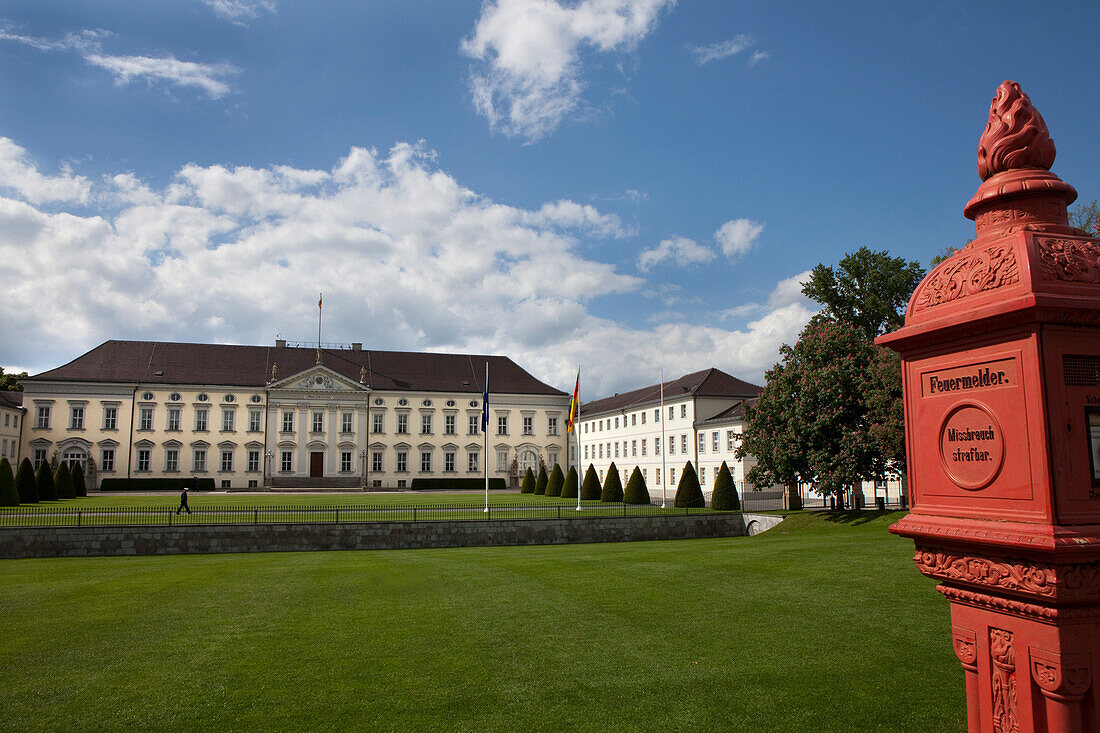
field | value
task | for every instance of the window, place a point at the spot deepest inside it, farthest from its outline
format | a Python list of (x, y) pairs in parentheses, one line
[(672, 476), (586, 453), (15, 421), (110, 418), (729, 440), (345, 461), (671, 412), (672, 445), (171, 460), (600, 423), (145, 419), (200, 419), (253, 460), (376, 461), (616, 449), (643, 444), (286, 461), (714, 441), (425, 461), (143, 459), (634, 419), (199, 459), (656, 416), (552, 425), (644, 471), (254, 421), (601, 450), (449, 425), (229, 422), (227, 460), (528, 425), (643, 418), (656, 447), (318, 425), (449, 462), (586, 427), (76, 418), (633, 448), (402, 423), (426, 423), (684, 443), (42, 416), (472, 463), (502, 424), (684, 410), (107, 459), (616, 423), (702, 442), (173, 419), (402, 461), (345, 422), (502, 460), (39, 457), (474, 425), (702, 475), (378, 422)]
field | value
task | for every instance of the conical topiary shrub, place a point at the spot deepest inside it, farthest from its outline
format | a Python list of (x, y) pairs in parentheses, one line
[(25, 483), (79, 486), (557, 478), (688, 493), (590, 489), (636, 491), (43, 481), (528, 485), (541, 481), (612, 485), (724, 498), (8, 495), (63, 481), (569, 488)]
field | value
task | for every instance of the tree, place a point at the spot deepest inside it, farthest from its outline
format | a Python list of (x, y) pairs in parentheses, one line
[(78, 480), (528, 485), (63, 481), (688, 492), (1085, 217), (43, 481), (612, 485), (590, 489), (724, 497), (25, 483), (869, 290), (569, 489), (636, 491), (11, 382), (554, 484), (8, 494), (541, 481)]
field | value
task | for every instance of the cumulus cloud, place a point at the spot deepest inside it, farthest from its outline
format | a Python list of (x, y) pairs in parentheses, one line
[(528, 76), (238, 11), (738, 236), (680, 250), (406, 256), (208, 78)]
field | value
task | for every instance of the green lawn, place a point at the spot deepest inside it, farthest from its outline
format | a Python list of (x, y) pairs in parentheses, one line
[(822, 624), (358, 498)]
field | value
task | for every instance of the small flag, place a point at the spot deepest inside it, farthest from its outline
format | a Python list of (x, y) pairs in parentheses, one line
[(574, 404), (485, 402), (319, 297)]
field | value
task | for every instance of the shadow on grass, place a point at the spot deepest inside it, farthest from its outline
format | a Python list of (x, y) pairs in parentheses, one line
[(853, 518)]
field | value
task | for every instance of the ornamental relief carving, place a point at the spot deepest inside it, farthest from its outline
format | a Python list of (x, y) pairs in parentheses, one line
[(976, 271), (1006, 716), (981, 571), (965, 643), (1070, 260), (1061, 674)]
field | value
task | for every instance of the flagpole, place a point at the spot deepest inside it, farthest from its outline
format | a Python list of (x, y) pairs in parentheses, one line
[(320, 298), (577, 429), (485, 434), (664, 468)]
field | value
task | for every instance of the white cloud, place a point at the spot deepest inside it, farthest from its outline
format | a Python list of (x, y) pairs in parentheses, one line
[(20, 175), (407, 259), (680, 250), (738, 236), (529, 76), (758, 56), (789, 292), (715, 51), (238, 11), (209, 78)]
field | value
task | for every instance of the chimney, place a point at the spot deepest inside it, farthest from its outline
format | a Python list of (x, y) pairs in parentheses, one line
[(280, 343), (356, 346)]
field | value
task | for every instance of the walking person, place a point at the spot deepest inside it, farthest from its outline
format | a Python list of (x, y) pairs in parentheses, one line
[(183, 502)]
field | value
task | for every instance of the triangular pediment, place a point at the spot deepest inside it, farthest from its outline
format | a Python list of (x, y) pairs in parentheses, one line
[(318, 378)]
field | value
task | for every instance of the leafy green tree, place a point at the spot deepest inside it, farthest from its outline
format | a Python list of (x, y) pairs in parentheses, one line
[(554, 484), (1085, 217), (569, 488), (8, 494), (868, 290), (25, 483), (78, 480), (43, 480), (590, 489), (724, 497), (11, 382), (688, 491), (541, 481), (63, 481), (636, 491), (528, 485), (612, 486)]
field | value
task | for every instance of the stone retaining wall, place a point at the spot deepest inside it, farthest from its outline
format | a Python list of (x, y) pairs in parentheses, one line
[(22, 542)]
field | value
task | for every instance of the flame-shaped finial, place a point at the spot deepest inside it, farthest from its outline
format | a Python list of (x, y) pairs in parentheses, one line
[(1015, 136)]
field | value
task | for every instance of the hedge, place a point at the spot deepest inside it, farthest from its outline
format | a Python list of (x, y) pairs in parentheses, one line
[(688, 493), (612, 486), (156, 484), (569, 489), (636, 491), (457, 484), (724, 498), (63, 481), (557, 478), (78, 480), (528, 485), (8, 495), (541, 481), (25, 483), (590, 489), (43, 481)]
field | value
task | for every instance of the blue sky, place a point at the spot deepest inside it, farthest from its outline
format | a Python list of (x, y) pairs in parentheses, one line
[(623, 185)]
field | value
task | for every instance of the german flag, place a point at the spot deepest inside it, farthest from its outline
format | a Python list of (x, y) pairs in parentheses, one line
[(574, 405)]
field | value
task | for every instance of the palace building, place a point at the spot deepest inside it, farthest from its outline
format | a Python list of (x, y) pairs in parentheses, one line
[(286, 416)]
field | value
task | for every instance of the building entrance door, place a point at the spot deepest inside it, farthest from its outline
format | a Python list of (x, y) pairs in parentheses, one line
[(316, 465), (528, 459)]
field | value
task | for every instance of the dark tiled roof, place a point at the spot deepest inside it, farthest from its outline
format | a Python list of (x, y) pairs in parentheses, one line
[(155, 362), (733, 413), (707, 383), (11, 399)]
